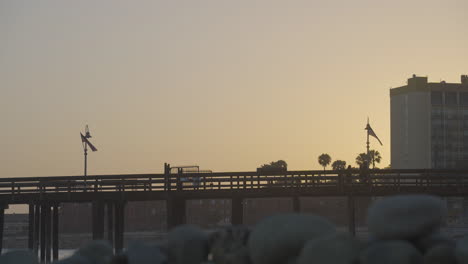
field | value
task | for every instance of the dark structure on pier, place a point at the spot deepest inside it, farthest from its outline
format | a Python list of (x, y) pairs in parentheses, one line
[(108, 195)]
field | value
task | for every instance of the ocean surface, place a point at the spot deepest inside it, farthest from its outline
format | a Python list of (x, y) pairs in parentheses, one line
[(63, 253)]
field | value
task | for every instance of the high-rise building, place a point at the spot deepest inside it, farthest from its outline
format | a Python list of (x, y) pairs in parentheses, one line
[(429, 124)]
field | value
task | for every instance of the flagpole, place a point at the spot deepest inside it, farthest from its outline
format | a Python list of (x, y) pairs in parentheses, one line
[(368, 143), (85, 160), (85, 141), (367, 137)]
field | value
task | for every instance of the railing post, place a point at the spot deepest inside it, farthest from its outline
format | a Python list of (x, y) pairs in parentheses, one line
[(96, 187)]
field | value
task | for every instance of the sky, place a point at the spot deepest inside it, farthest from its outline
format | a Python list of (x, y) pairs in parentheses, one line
[(226, 85)]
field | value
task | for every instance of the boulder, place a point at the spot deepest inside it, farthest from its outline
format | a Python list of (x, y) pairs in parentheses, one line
[(278, 238), (96, 252), (229, 245), (141, 253), (443, 253), (339, 248), (390, 252), (461, 250), (406, 217), (427, 242), (187, 244)]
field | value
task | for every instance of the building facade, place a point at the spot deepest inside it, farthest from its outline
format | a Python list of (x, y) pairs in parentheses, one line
[(429, 124)]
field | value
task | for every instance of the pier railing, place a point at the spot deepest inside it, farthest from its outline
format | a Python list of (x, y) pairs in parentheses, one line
[(339, 179)]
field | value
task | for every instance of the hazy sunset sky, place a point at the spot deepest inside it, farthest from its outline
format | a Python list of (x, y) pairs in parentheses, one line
[(227, 85)]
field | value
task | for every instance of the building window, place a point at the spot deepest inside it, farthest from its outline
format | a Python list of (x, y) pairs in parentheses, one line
[(436, 98), (451, 98)]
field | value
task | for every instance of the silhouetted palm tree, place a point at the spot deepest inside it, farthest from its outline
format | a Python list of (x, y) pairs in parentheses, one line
[(339, 165), (374, 156), (361, 159), (324, 160)]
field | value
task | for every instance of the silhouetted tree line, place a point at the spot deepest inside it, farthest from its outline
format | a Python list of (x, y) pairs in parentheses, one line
[(362, 160)]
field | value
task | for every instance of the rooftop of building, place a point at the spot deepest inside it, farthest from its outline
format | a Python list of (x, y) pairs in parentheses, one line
[(421, 84)]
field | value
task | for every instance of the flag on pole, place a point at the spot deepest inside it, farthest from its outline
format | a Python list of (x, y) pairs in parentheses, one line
[(86, 141), (371, 132)]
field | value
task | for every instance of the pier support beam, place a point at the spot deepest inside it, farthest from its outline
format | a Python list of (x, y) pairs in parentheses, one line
[(37, 227), (2, 221), (237, 211), (119, 210), (48, 232), (296, 204), (31, 224), (98, 220), (351, 215), (110, 223), (55, 232), (175, 208), (42, 242)]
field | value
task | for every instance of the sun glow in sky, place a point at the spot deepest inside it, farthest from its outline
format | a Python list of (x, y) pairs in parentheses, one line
[(227, 85)]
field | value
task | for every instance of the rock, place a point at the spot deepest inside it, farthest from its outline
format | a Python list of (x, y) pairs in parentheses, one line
[(461, 250), (119, 259), (229, 245), (406, 216), (18, 257), (96, 252), (338, 248), (187, 244), (426, 242), (141, 253), (443, 253), (278, 238), (390, 252)]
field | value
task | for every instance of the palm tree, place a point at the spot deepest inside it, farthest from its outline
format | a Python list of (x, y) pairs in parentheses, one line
[(361, 159), (339, 165), (324, 160), (374, 156)]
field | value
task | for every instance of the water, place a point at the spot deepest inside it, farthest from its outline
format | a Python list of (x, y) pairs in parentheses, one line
[(63, 253)]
